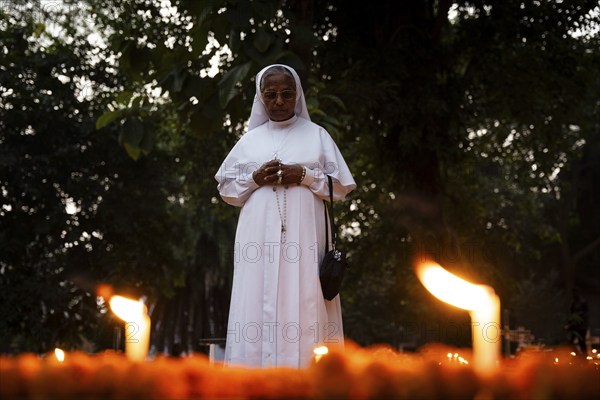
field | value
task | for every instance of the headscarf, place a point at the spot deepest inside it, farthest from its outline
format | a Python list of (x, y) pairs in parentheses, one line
[(259, 115)]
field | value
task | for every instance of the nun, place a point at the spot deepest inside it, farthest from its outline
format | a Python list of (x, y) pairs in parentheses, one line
[(277, 173)]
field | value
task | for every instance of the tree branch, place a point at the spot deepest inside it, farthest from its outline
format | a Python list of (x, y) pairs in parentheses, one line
[(579, 255)]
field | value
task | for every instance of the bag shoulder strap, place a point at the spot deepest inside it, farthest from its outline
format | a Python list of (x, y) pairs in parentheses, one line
[(331, 218)]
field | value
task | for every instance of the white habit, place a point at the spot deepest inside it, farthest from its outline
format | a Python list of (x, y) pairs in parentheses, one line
[(278, 314)]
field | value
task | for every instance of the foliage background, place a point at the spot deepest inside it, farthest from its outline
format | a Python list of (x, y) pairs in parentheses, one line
[(471, 128)]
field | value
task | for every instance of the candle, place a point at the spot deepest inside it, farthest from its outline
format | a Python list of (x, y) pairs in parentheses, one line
[(137, 326), (480, 301), (59, 354), (485, 329)]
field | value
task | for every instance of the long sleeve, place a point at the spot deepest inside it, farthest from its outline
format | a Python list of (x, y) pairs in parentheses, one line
[(316, 180), (236, 183), (331, 163), (234, 177)]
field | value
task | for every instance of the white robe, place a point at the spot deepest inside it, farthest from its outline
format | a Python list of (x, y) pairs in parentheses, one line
[(277, 313)]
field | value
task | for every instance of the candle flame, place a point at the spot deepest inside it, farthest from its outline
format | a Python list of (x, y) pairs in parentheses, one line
[(320, 352), (480, 301), (59, 354), (451, 289), (128, 310)]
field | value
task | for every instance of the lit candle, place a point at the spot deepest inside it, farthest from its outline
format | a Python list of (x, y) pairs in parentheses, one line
[(483, 306), (137, 326), (320, 352), (59, 354)]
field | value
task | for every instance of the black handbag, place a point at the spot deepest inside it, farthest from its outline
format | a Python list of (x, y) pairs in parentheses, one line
[(334, 264)]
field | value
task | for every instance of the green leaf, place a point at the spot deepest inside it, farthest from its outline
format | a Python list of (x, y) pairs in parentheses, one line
[(262, 40), (316, 112), (124, 98), (227, 90), (138, 61), (133, 152), (107, 118), (199, 35), (263, 9), (220, 27), (178, 80), (305, 35), (132, 132), (137, 102), (239, 14), (148, 140), (331, 120), (40, 28), (174, 80), (289, 58), (312, 103), (335, 100), (198, 87), (234, 40), (203, 13)]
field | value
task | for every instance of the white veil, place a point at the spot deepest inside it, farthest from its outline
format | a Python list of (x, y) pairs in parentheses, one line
[(259, 116)]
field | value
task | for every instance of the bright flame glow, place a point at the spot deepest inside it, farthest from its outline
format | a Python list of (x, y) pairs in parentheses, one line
[(484, 309), (452, 289), (59, 354), (128, 310), (320, 352)]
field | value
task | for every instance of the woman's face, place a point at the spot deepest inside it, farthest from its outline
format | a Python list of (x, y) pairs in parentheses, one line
[(279, 96)]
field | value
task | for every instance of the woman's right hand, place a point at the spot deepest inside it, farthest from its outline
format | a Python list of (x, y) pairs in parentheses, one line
[(266, 175)]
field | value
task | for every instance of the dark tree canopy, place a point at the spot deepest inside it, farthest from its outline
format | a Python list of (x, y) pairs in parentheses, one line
[(471, 129)]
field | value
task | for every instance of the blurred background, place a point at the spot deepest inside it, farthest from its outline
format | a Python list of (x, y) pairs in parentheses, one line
[(472, 129)]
